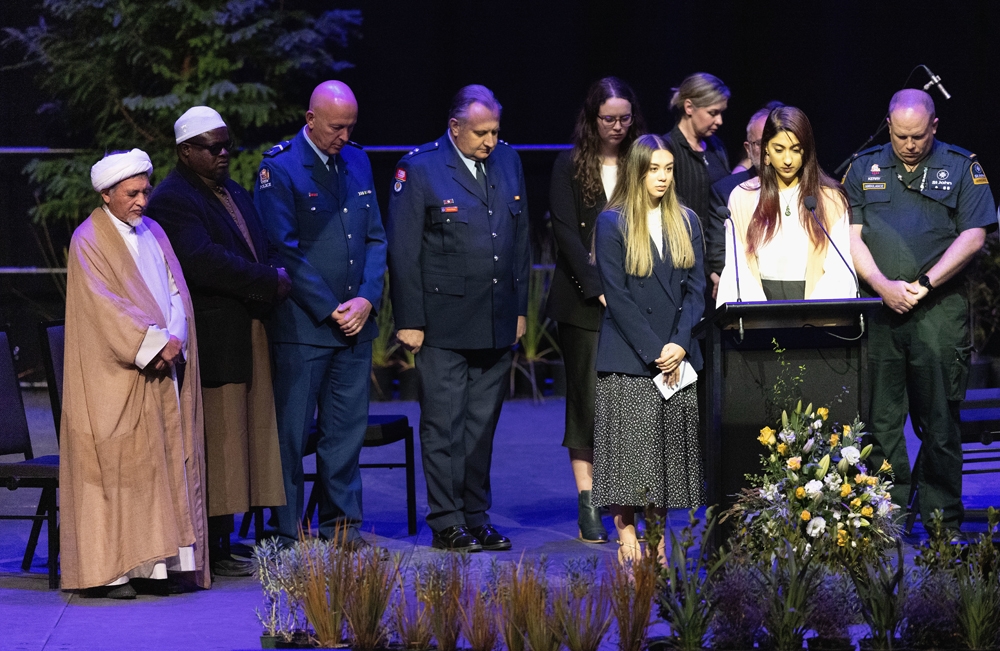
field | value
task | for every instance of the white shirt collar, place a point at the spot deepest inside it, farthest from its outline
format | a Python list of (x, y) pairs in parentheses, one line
[(323, 157), (469, 162)]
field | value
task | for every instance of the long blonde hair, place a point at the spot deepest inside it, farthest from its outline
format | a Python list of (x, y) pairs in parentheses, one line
[(631, 201)]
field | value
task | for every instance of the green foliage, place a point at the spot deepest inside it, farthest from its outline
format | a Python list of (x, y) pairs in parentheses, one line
[(122, 72), (882, 592), (788, 587), (984, 290), (684, 594), (979, 590), (787, 385)]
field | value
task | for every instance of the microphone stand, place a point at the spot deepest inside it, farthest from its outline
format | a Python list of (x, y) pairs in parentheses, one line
[(934, 81)]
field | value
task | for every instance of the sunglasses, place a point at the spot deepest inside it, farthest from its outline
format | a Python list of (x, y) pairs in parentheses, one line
[(215, 149)]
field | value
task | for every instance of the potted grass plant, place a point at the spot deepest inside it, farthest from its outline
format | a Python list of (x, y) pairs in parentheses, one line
[(537, 341), (833, 609), (738, 619), (443, 585), (881, 592), (979, 590), (684, 596), (369, 592), (411, 618), (581, 606)]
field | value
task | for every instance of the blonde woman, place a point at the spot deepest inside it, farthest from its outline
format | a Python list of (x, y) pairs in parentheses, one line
[(649, 255)]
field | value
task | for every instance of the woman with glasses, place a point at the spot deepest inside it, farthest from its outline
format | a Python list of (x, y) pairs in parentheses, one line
[(649, 255), (582, 180), (699, 155), (785, 221)]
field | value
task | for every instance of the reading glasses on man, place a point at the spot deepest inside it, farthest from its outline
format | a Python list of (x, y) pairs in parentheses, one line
[(215, 149), (610, 120)]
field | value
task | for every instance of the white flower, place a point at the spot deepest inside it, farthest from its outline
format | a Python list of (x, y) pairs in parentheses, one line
[(770, 492), (808, 446), (818, 425), (814, 488), (850, 454), (787, 435), (816, 527), (836, 516), (833, 481)]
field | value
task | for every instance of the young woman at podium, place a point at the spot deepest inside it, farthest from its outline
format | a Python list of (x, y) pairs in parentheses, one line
[(648, 250), (792, 223)]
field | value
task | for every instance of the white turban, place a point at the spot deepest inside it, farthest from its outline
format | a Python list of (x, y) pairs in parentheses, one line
[(196, 121), (114, 168)]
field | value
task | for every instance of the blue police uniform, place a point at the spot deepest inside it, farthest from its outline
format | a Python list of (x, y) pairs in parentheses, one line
[(919, 361), (325, 222), (459, 262)]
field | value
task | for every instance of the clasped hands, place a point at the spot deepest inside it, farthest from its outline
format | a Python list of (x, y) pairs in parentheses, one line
[(412, 339), (901, 296), (351, 315), (170, 355), (669, 363)]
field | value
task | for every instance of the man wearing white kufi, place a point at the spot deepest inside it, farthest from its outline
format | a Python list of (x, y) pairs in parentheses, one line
[(131, 445)]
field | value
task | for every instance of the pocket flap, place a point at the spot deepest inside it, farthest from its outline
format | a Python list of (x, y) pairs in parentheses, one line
[(449, 284)]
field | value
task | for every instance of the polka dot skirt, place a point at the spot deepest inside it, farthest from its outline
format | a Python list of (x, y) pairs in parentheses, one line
[(646, 448)]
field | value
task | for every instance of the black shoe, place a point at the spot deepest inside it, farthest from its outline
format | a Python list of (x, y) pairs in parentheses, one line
[(589, 519), (154, 587), (456, 539), (123, 591), (491, 539), (232, 567)]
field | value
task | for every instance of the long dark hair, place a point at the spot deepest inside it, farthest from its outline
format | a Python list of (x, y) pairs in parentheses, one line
[(587, 140), (813, 181)]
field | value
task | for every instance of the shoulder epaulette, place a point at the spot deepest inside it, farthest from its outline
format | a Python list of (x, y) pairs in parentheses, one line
[(962, 152), (278, 148), (503, 142), (870, 150), (423, 149), (354, 144)]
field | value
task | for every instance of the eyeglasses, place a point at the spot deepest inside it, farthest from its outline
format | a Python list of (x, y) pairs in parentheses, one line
[(610, 120), (215, 149)]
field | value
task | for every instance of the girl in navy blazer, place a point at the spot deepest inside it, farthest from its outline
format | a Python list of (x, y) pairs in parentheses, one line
[(649, 253)]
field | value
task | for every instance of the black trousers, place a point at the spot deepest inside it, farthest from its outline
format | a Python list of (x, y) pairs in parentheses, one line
[(461, 394)]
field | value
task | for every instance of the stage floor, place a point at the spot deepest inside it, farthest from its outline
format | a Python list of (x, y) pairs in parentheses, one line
[(534, 504)]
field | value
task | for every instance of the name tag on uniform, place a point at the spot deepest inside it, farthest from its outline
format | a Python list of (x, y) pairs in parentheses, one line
[(449, 209), (362, 193), (873, 186)]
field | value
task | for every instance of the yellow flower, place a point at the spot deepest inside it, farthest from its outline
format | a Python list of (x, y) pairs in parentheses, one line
[(834, 439), (845, 489), (766, 436), (847, 430), (795, 463), (806, 516), (856, 502), (860, 479), (872, 481), (823, 413), (782, 448), (886, 466), (800, 492), (867, 511), (842, 538)]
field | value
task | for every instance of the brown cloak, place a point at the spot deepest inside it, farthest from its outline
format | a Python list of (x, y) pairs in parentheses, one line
[(132, 465)]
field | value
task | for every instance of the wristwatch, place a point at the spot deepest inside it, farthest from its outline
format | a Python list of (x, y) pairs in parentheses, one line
[(925, 282)]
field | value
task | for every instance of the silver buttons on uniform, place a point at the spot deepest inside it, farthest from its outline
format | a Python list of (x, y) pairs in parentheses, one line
[(490, 212), (313, 208), (495, 258), (352, 261), (494, 234), (494, 281), (348, 236), (345, 209)]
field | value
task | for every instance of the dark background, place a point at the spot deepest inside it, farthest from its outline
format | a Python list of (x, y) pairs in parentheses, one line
[(838, 61)]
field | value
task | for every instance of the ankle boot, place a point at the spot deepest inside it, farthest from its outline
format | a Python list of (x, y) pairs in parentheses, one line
[(589, 519)]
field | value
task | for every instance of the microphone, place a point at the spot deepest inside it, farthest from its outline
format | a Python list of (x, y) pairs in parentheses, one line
[(935, 81), (810, 204), (723, 212)]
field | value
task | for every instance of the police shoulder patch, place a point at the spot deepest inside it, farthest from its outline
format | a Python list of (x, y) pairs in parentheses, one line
[(278, 148), (263, 178)]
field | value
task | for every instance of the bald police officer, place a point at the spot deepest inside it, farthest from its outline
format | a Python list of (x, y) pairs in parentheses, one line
[(459, 261), (921, 209)]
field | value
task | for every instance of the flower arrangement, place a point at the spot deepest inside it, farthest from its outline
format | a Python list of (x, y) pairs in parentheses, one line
[(816, 487)]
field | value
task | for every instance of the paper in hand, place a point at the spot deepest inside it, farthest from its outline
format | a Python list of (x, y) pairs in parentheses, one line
[(687, 376)]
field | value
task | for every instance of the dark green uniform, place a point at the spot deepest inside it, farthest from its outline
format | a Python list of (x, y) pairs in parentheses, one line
[(919, 361)]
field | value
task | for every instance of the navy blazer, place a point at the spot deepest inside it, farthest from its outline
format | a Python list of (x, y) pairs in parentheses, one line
[(459, 261), (645, 314), (328, 231), (228, 285), (715, 226)]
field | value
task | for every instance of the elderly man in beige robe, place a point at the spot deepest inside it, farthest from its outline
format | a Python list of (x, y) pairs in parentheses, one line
[(132, 447)]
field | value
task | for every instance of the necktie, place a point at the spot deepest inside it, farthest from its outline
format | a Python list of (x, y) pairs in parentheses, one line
[(481, 178)]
